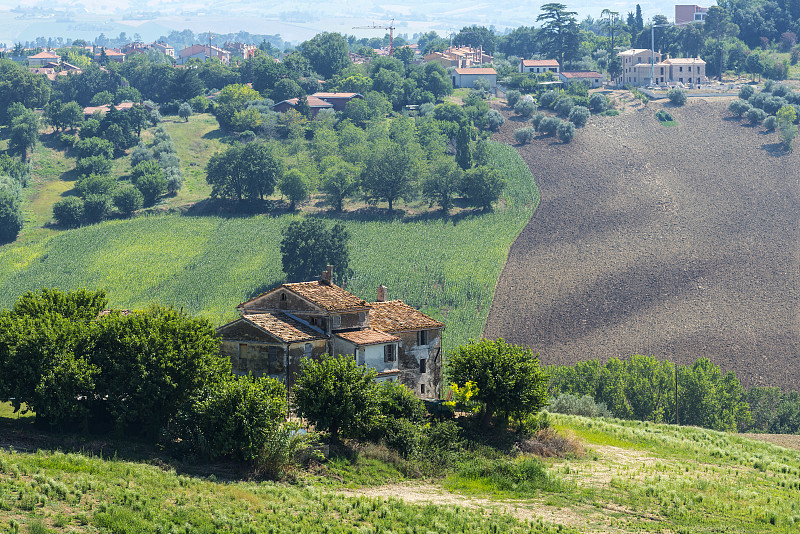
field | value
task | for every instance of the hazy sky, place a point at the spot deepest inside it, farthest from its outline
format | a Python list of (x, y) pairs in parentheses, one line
[(295, 21)]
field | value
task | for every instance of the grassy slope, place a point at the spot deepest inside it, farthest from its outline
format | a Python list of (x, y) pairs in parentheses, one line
[(635, 477), (207, 265)]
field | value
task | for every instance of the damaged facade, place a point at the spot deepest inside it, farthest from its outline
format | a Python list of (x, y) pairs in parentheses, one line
[(279, 328)]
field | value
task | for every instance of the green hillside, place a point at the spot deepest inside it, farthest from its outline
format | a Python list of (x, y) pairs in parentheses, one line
[(633, 477), (207, 265)]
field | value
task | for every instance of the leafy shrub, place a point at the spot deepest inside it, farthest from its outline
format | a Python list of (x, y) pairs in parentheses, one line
[(10, 213), (512, 97), (174, 178), (756, 115), (739, 107), (574, 405), (144, 168), (399, 434), (96, 207), (757, 100), (139, 154), (536, 118), (67, 140), (494, 119), (525, 135), (598, 103), (746, 91), (663, 116), (526, 108), (151, 186), (426, 109), (611, 113), (94, 146), (677, 96), (247, 136), (398, 402), (549, 125), (768, 86), (564, 105), (68, 212), (93, 165), (95, 184), (579, 115), (548, 99), (566, 131), (128, 199), (771, 122), (780, 90), (773, 104), (199, 104), (232, 419)]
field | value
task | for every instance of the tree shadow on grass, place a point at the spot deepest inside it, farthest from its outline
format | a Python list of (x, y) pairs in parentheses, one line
[(220, 207), (376, 214)]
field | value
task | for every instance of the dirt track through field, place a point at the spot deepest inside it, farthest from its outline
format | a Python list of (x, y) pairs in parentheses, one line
[(677, 242)]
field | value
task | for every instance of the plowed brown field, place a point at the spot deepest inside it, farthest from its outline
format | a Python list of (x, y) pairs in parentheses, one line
[(678, 242)]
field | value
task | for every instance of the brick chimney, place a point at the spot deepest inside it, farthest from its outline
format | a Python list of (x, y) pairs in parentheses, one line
[(382, 291), (327, 276)]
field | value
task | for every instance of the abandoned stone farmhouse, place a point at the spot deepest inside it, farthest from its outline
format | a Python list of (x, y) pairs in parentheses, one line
[(279, 328)]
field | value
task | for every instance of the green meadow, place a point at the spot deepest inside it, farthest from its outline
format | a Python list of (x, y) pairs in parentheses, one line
[(448, 266)]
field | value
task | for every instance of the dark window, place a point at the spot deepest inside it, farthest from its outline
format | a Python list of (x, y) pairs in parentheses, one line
[(313, 321), (422, 338), (680, 69), (388, 353), (423, 368), (422, 389), (283, 296), (275, 361)]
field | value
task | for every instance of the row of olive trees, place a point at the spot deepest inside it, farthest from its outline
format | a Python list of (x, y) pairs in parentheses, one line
[(777, 106)]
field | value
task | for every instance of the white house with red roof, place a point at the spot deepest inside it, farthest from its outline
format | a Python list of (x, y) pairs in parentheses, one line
[(279, 328), (467, 77), (591, 78), (539, 66)]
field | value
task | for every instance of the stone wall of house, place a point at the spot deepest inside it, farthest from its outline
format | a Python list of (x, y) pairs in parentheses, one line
[(409, 357), (273, 301)]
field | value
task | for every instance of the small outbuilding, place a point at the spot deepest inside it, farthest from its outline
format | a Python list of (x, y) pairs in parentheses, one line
[(592, 78), (467, 77)]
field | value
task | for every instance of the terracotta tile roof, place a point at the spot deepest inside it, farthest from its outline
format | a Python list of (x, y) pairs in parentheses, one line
[(397, 316), (581, 74), (334, 95), (122, 106), (45, 55), (313, 102), (327, 296), (283, 327), (540, 63), (483, 72), (368, 336)]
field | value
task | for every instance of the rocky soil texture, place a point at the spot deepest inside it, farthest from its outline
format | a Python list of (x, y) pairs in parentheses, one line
[(678, 242)]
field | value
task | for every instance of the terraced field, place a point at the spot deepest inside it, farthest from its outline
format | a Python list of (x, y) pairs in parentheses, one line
[(678, 242)]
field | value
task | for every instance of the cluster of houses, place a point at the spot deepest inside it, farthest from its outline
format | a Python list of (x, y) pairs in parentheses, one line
[(278, 329)]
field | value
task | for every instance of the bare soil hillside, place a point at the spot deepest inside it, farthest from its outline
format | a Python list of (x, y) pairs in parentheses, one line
[(679, 242)]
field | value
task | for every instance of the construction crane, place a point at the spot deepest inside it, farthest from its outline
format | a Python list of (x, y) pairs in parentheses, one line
[(390, 27)]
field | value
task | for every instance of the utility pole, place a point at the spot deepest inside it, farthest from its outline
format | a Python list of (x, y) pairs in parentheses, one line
[(677, 419), (653, 47)]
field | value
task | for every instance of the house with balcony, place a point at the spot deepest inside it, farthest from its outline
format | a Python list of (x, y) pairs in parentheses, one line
[(279, 328), (539, 66)]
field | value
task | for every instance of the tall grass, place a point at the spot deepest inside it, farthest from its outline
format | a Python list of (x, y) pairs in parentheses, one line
[(207, 265), (89, 494)]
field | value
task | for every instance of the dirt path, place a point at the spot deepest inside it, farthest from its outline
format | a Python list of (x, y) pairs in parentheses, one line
[(585, 518), (677, 242)]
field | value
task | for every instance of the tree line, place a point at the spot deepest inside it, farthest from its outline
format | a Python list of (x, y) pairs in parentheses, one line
[(644, 388)]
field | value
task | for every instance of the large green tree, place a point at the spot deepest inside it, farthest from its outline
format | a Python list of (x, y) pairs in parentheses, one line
[(244, 171), (476, 36), (560, 32), (24, 133), (309, 246), (10, 212), (508, 377), (328, 53)]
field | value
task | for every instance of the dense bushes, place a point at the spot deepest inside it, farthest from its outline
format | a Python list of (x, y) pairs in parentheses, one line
[(644, 388), (128, 372), (579, 116), (525, 135), (677, 96), (10, 211)]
